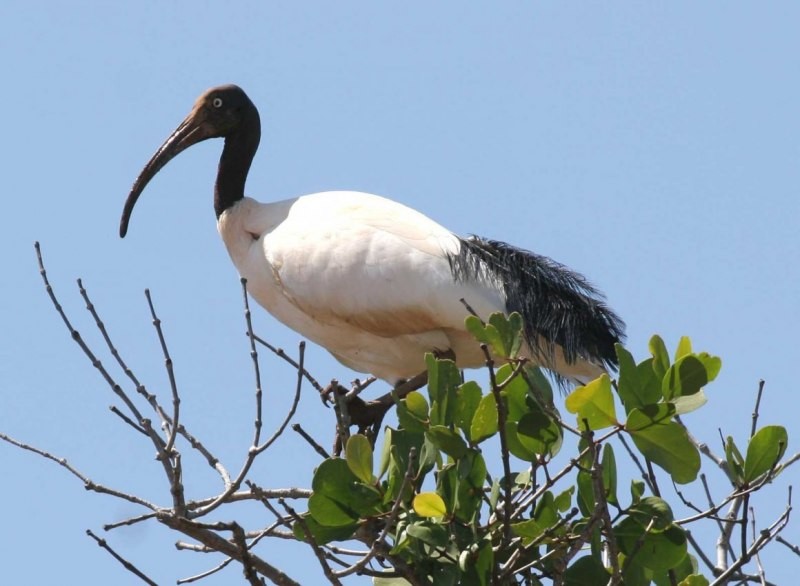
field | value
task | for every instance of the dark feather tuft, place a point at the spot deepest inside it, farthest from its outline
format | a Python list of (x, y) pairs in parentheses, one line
[(558, 306)]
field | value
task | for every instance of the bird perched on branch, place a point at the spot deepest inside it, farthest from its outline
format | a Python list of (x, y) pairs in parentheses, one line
[(376, 283)]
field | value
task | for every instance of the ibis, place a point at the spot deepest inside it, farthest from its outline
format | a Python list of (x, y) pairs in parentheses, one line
[(377, 283)]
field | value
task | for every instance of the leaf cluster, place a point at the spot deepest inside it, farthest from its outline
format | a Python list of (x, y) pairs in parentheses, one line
[(446, 514)]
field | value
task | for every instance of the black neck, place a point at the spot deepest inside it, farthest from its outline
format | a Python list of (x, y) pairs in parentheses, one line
[(234, 164)]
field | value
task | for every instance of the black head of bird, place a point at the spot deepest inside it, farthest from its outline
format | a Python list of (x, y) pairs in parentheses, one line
[(223, 111)]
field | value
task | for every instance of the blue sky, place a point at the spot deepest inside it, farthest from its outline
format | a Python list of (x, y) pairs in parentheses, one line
[(653, 148)]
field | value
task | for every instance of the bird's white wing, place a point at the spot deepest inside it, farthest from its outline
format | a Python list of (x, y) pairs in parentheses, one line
[(372, 263)]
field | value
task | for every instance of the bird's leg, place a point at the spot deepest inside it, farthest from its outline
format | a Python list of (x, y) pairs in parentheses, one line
[(329, 393), (367, 416)]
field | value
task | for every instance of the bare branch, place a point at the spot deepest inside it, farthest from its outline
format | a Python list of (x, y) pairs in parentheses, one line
[(205, 535)]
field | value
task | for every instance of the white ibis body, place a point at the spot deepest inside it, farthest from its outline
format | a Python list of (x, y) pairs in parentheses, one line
[(376, 283)]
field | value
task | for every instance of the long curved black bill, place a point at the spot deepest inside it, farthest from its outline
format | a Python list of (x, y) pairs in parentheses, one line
[(188, 133)]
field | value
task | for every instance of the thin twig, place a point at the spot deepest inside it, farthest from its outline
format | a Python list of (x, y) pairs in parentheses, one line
[(601, 502), (293, 409), (279, 352), (764, 537), (206, 534), (311, 540), (125, 563), (140, 388), (256, 367), (304, 434), (754, 423), (129, 521), (635, 458), (502, 416), (88, 483), (176, 401), (116, 411), (793, 548), (157, 441)]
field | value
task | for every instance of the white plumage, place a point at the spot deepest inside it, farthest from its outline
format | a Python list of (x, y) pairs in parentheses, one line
[(375, 282)]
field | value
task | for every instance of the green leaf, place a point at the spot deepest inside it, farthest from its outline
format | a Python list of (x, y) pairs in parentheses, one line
[(585, 571), (664, 442), (652, 508), (515, 446), (494, 494), (638, 384), (594, 404), (484, 423), (609, 465), (477, 328), (660, 356), (545, 512), (443, 380), (683, 570), (713, 364), (321, 533), (637, 490), (429, 504), (429, 455), (435, 535), (766, 447), (689, 403), (473, 469), (529, 530), (339, 497), (486, 334), (417, 405), (563, 501), (400, 447), (386, 452), (378, 581), (541, 390), (684, 348), (654, 550), (358, 454), (412, 413), (649, 415), (339, 494), (468, 397), (539, 434), (633, 574), (469, 491), (329, 512), (686, 377), (735, 460), (586, 500), (515, 392), (694, 580), (484, 562), (508, 330), (447, 440)]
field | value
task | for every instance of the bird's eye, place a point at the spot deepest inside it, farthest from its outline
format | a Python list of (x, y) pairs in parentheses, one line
[(217, 102)]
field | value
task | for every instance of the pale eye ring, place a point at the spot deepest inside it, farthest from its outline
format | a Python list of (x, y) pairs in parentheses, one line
[(217, 102)]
